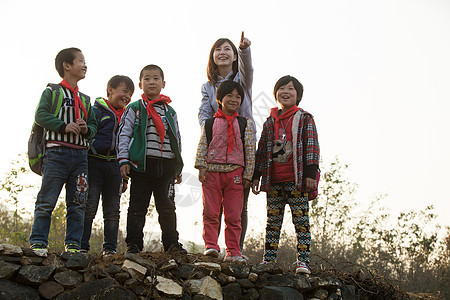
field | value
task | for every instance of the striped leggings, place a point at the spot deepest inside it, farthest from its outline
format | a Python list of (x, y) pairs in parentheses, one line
[(281, 194)]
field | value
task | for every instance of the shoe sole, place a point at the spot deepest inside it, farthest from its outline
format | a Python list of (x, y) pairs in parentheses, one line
[(212, 253)]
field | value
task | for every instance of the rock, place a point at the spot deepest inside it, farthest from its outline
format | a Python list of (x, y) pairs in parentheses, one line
[(328, 283), (77, 261), (29, 260), (285, 293), (12, 291), (113, 270), (35, 275), (11, 250), (238, 271), (136, 270), (251, 294), (281, 280), (301, 283), (106, 288), (53, 260), (348, 292), (321, 294), (68, 279), (98, 272), (8, 270), (232, 291), (139, 260), (185, 272), (171, 264), (253, 277), (271, 268), (122, 277), (210, 266), (245, 283), (11, 259), (50, 289), (206, 286), (131, 283), (168, 287), (333, 296)]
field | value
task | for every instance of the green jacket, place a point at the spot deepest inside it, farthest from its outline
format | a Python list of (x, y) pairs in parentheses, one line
[(132, 143)]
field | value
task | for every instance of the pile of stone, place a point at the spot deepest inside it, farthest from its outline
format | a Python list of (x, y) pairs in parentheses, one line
[(23, 275)]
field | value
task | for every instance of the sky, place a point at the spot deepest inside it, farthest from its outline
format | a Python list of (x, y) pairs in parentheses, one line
[(376, 77)]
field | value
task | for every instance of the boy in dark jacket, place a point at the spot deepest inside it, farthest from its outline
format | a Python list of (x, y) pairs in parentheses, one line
[(104, 171)]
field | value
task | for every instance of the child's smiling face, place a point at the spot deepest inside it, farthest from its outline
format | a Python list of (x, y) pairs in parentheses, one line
[(152, 83), (231, 102), (287, 95), (78, 68), (120, 96)]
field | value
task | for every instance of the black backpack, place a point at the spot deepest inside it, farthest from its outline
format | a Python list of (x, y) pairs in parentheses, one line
[(209, 124)]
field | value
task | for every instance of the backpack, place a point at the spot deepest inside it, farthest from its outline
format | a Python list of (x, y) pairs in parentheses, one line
[(36, 142), (209, 124)]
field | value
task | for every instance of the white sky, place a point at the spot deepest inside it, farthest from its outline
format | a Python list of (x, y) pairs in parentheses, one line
[(376, 76)]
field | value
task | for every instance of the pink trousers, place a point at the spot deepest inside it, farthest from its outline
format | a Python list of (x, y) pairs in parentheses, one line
[(223, 189)]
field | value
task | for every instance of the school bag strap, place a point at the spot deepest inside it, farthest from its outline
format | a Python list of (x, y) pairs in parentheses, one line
[(209, 125)]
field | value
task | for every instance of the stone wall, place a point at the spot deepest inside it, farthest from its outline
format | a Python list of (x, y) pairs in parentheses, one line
[(23, 275)]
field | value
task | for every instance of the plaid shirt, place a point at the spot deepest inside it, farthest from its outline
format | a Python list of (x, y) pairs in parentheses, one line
[(305, 142)]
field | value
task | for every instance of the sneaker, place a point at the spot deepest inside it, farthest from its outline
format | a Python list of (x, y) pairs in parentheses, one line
[(176, 248), (235, 259), (265, 262), (108, 252), (84, 251), (211, 252), (302, 268), (39, 249), (133, 248), (72, 248)]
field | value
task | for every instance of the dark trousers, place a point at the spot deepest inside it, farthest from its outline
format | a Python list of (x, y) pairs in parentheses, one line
[(156, 181)]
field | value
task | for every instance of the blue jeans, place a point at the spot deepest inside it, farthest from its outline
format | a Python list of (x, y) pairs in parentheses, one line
[(61, 166), (105, 180)]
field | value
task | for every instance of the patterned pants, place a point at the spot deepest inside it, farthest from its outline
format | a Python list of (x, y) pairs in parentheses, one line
[(281, 194)]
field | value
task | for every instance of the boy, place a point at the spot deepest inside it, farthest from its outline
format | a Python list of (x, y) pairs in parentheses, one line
[(104, 171), (149, 151), (65, 160), (225, 159)]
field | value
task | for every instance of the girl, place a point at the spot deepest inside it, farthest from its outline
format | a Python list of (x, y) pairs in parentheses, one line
[(228, 63), (287, 159), (225, 159)]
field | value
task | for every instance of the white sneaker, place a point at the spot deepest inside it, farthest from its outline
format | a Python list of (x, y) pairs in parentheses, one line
[(39, 249), (211, 252), (235, 259), (302, 268)]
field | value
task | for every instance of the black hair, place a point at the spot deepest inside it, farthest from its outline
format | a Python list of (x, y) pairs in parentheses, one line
[(65, 56), (211, 70), (225, 88), (116, 80), (151, 67), (285, 80)]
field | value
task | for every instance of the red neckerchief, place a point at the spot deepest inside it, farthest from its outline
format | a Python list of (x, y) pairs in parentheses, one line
[(230, 127), (159, 124), (77, 99), (117, 112), (274, 114)]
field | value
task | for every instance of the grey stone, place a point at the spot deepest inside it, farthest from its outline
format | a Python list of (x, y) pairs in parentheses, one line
[(245, 283), (131, 283), (206, 286), (281, 280), (139, 260), (11, 250), (29, 260), (301, 283), (11, 259), (185, 271), (68, 279), (88, 277), (333, 296), (53, 260), (136, 270), (238, 271), (232, 291), (8, 270), (328, 283), (271, 268), (102, 289), (321, 294), (251, 294), (98, 272), (50, 289), (280, 293), (210, 266), (171, 264), (77, 261), (35, 275), (12, 291), (168, 287), (122, 277), (253, 277), (113, 269), (348, 292)]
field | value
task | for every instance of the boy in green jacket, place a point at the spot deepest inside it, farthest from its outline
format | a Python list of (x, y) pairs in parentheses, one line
[(149, 151), (65, 160)]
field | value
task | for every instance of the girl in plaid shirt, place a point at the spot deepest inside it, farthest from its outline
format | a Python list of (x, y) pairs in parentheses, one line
[(287, 161)]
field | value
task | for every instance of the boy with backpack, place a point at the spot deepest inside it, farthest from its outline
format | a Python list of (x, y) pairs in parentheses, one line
[(225, 160), (67, 132)]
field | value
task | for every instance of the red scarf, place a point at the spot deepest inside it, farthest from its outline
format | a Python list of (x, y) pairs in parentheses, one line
[(117, 112), (230, 127), (159, 124), (78, 102), (274, 114)]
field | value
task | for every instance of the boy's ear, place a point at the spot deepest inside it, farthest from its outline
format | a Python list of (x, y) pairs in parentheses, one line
[(109, 90), (140, 85), (66, 66), (163, 84)]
